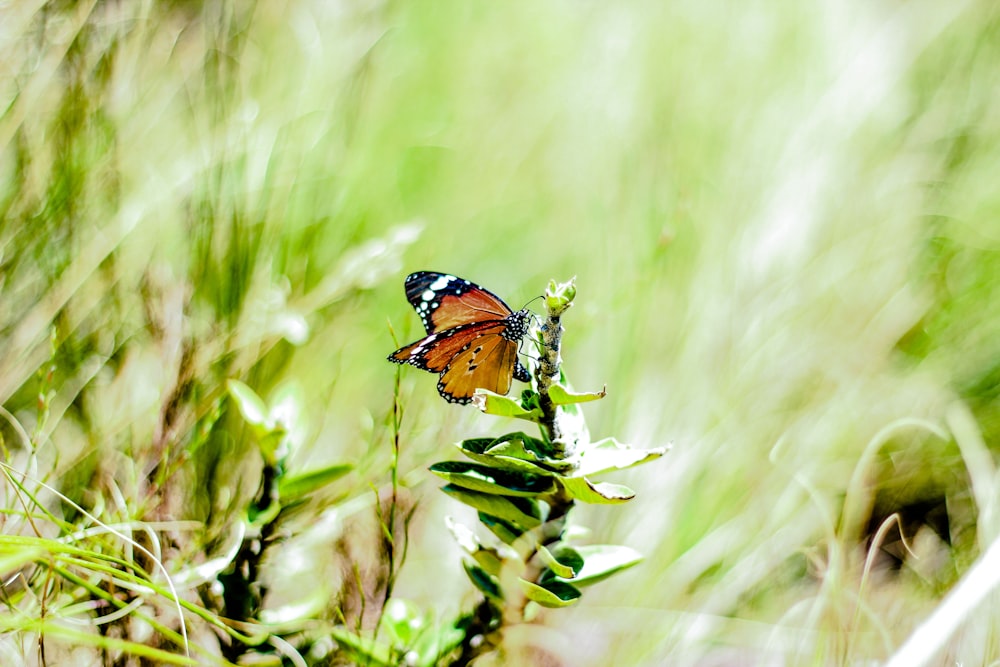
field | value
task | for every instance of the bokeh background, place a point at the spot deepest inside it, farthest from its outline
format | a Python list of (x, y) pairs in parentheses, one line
[(782, 219)]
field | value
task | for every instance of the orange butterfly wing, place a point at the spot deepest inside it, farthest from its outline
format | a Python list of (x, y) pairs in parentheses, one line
[(436, 351), (487, 363)]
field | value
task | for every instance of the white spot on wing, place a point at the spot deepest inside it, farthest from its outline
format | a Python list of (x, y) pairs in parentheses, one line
[(438, 284)]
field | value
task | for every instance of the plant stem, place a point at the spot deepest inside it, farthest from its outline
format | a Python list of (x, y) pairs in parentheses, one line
[(547, 372)]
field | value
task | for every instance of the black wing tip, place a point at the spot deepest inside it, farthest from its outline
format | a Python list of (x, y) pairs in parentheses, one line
[(433, 276), (396, 360), (451, 398), (417, 275)]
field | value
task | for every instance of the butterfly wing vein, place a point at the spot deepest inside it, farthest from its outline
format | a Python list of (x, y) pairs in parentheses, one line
[(487, 363), (444, 301)]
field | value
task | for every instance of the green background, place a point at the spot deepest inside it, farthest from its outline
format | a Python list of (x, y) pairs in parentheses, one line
[(782, 219)]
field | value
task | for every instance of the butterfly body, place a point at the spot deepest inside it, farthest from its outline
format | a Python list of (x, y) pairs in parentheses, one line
[(472, 336)]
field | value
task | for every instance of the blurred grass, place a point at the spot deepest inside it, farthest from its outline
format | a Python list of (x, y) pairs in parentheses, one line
[(782, 219)]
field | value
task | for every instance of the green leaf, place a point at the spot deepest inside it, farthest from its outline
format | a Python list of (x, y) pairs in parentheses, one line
[(505, 531), (571, 419), (600, 561), (521, 446), (517, 444), (258, 518), (503, 406), (609, 454), (522, 512), (602, 493), (298, 486), (564, 562), (562, 395), (491, 560), (485, 582), (530, 400), (271, 444), (486, 479), (552, 594), (514, 451), (476, 445), (507, 463), (270, 434), (250, 405)]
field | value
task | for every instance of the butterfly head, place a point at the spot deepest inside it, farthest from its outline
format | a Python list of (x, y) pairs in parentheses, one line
[(518, 325)]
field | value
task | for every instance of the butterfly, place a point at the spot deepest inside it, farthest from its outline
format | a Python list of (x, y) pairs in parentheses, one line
[(472, 336)]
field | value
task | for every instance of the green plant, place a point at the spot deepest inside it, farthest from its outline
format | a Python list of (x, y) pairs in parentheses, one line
[(278, 495), (523, 488)]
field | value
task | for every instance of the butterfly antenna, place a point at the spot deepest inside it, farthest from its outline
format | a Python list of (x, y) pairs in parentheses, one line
[(525, 306)]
